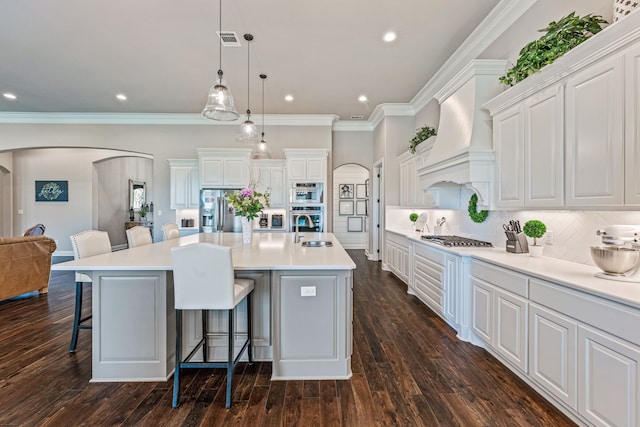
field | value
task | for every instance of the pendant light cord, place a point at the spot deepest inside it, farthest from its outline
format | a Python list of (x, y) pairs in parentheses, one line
[(248, 73), (220, 42), (263, 77)]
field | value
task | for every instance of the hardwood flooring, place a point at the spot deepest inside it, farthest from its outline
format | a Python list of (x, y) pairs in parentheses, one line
[(409, 369)]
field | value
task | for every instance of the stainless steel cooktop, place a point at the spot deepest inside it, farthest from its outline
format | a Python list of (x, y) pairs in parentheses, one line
[(456, 241)]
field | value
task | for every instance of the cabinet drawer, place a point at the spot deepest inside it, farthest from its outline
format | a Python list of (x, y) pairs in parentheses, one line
[(429, 253), (498, 276)]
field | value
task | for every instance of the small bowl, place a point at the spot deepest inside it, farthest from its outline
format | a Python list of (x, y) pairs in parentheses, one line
[(614, 259)]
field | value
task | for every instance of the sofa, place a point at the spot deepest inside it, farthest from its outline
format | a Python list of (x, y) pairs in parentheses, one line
[(25, 265)]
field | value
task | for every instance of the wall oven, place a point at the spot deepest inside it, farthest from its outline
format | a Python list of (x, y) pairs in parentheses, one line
[(307, 192), (296, 215)]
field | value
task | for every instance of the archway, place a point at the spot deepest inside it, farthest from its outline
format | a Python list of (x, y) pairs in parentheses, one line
[(351, 206)]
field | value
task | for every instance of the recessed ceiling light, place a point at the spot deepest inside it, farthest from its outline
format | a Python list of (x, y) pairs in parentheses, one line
[(121, 97), (362, 98), (10, 96), (288, 98), (389, 36)]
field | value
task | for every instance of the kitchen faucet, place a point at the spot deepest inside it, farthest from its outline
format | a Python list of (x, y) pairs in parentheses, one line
[(296, 238)]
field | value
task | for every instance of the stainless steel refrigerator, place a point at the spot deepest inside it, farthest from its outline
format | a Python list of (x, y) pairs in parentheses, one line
[(215, 214)]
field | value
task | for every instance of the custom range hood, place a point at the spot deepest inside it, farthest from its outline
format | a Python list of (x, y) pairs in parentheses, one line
[(462, 154)]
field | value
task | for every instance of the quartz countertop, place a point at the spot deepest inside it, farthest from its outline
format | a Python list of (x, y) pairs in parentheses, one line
[(267, 251), (573, 275)]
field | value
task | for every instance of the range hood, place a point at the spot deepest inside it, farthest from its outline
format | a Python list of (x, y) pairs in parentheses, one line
[(462, 154)]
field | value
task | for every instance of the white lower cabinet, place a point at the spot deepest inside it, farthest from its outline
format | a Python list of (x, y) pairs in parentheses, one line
[(608, 379), (428, 276), (552, 353), (499, 311), (398, 256)]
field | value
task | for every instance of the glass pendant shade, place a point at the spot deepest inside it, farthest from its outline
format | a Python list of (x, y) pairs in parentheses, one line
[(261, 151), (248, 131), (220, 104)]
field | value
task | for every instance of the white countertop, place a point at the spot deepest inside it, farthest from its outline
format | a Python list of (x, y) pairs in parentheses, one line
[(570, 274), (267, 251)]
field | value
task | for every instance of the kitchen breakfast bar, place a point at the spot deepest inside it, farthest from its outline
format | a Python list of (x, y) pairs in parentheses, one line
[(302, 308)]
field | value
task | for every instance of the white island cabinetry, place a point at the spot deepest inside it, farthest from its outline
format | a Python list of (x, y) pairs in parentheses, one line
[(297, 289)]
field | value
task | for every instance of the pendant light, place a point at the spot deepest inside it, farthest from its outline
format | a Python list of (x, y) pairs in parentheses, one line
[(220, 101), (248, 131), (262, 151)]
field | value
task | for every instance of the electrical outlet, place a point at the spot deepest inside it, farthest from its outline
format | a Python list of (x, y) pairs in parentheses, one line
[(548, 237)]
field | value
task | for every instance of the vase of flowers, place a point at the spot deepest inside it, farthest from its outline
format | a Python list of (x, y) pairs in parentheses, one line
[(248, 204)]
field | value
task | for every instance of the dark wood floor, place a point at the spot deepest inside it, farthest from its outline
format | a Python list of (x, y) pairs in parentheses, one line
[(409, 369)]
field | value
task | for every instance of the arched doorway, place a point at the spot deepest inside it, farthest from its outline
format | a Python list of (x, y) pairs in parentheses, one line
[(351, 206)]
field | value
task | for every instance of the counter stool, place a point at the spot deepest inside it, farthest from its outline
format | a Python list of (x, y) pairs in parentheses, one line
[(203, 279), (85, 244), (138, 236), (170, 231)]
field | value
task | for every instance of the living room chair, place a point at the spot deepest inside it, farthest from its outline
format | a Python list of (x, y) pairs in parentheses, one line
[(138, 236), (85, 244), (203, 279), (170, 231)]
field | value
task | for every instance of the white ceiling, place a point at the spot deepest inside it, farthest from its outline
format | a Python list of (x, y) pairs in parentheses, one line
[(76, 55)]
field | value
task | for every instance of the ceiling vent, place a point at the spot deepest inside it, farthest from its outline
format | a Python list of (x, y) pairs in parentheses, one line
[(229, 38), (357, 117)]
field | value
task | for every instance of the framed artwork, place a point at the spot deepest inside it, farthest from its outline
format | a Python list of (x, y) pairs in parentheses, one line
[(346, 207), (52, 191), (346, 191), (361, 191), (361, 207), (354, 224)]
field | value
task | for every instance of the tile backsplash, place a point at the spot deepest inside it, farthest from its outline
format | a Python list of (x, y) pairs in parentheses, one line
[(573, 231)]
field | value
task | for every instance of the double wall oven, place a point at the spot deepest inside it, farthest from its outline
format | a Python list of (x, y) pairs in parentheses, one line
[(306, 208)]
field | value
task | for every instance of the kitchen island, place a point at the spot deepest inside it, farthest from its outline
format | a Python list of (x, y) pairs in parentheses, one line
[(302, 308)]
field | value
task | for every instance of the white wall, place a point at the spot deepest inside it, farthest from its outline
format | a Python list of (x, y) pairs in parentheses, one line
[(6, 194)]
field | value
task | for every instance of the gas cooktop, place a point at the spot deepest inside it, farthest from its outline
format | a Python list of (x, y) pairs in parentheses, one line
[(456, 241)]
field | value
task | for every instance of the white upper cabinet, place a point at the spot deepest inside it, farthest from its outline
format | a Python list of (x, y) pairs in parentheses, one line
[(411, 195), (569, 136), (595, 135), (269, 175), (224, 168), (632, 126), (185, 184), (306, 165)]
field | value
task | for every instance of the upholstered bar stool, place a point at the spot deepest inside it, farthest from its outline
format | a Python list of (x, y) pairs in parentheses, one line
[(85, 244), (203, 279), (170, 231), (138, 236)]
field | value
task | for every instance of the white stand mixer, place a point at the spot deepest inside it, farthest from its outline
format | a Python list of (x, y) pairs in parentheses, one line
[(625, 237)]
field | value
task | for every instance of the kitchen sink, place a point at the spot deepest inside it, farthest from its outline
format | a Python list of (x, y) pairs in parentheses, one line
[(317, 243)]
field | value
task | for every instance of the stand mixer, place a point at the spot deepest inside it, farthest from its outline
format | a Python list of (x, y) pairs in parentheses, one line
[(619, 258)]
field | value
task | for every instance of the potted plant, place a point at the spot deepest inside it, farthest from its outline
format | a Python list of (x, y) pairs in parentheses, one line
[(143, 212), (560, 37), (535, 229), (422, 134), (413, 217)]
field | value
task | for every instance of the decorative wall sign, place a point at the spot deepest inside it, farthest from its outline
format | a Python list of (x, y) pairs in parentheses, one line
[(354, 224), (361, 207), (346, 191), (346, 207), (52, 191)]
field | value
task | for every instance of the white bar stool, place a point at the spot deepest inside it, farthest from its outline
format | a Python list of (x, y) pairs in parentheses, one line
[(85, 244), (203, 279), (138, 236), (170, 231)]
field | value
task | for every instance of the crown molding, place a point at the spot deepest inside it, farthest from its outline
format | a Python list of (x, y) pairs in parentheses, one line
[(505, 14), (160, 119)]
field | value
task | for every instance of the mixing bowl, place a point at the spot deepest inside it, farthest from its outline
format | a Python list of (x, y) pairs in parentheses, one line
[(614, 259)]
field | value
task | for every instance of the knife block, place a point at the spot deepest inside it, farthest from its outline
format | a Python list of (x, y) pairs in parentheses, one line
[(517, 242)]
